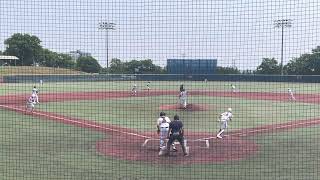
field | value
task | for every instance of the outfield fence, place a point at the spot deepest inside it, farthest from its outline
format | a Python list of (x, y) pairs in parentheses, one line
[(160, 77)]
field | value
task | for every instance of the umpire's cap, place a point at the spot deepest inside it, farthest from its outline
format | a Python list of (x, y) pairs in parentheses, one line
[(176, 117), (162, 114)]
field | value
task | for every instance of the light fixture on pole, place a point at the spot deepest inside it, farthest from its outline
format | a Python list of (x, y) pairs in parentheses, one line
[(282, 23), (107, 26)]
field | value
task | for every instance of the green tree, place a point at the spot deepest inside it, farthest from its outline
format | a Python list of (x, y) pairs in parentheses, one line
[(26, 47), (227, 70), (53, 59), (306, 64), (268, 66), (116, 66), (88, 64), (134, 67)]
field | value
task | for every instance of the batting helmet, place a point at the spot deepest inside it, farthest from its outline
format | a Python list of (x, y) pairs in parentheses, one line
[(162, 114)]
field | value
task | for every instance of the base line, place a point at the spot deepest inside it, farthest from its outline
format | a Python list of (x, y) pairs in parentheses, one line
[(265, 129), (75, 121)]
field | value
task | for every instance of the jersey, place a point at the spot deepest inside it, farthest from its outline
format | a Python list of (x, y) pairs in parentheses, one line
[(183, 95), (159, 121), (176, 127), (164, 125), (226, 116), (34, 91), (290, 91), (31, 99)]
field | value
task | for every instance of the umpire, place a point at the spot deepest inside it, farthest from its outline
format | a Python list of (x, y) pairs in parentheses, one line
[(176, 132)]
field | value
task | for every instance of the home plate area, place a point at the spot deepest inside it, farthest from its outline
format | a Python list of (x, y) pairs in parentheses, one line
[(204, 151)]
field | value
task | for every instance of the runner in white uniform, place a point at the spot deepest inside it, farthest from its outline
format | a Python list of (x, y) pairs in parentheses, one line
[(134, 90), (223, 119)]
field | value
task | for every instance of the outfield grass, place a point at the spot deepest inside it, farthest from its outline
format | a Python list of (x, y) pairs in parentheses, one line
[(14, 88), (34, 149), (141, 112)]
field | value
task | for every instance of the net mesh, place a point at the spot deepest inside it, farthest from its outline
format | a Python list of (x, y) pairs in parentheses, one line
[(82, 85)]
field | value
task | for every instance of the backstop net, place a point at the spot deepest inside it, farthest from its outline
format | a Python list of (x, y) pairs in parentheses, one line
[(145, 89)]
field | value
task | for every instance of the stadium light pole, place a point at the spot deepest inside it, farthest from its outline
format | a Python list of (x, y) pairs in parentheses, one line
[(282, 23), (107, 26)]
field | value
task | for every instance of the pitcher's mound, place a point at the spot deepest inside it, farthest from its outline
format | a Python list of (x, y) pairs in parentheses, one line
[(190, 107)]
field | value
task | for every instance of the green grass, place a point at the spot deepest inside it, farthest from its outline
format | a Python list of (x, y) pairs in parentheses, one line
[(32, 148), (36, 149), (141, 112), (13, 88)]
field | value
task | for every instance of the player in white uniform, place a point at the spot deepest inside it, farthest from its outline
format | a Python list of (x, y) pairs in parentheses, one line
[(148, 86), (233, 88), (183, 98), (223, 119), (35, 94), (162, 129), (31, 102), (134, 90), (291, 97)]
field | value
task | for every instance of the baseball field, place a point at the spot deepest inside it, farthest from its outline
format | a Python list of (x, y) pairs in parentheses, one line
[(99, 130)]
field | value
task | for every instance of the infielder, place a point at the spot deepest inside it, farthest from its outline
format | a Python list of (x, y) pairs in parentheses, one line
[(35, 94), (148, 86), (183, 98), (134, 90), (223, 119), (31, 102), (233, 88), (291, 97), (162, 130)]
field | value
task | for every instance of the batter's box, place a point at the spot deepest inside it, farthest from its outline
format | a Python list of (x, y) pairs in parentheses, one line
[(154, 143)]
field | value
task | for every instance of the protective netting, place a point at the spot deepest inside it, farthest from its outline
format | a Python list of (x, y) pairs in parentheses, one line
[(96, 89)]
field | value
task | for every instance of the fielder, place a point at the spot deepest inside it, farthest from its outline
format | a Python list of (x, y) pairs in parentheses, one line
[(148, 86), (183, 98), (162, 130), (134, 90), (35, 94), (291, 96), (233, 88), (31, 102), (223, 119)]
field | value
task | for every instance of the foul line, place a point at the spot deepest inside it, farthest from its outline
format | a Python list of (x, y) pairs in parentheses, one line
[(265, 129), (75, 121)]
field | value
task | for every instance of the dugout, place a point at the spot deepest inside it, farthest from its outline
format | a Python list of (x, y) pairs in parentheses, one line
[(191, 66)]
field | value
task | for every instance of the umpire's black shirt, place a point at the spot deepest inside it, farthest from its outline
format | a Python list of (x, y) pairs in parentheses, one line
[(175, 126)]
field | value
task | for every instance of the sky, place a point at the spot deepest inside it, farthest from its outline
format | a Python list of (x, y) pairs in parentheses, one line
[(235, 32)]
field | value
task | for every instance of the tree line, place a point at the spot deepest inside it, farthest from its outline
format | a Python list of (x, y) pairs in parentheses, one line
[(29, 50)]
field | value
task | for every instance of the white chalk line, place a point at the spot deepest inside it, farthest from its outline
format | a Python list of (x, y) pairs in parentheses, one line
[(265, 129), (75, 122), (147, 137)]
